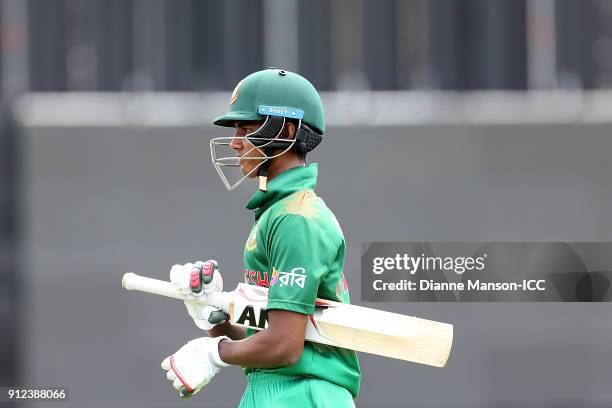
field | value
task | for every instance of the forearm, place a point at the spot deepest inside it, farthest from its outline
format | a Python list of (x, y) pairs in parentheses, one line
[(226, 329), (261, 350)]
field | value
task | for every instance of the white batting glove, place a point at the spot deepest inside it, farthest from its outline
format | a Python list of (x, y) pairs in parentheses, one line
[(194, 365), (196, 281)]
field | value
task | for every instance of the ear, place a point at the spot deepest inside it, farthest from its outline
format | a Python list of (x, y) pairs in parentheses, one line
[(288, 131)]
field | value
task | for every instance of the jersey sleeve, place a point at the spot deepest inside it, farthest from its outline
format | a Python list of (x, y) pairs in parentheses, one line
[(299, 255)]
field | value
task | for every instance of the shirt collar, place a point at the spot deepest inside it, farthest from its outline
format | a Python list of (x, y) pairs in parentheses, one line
[(288, 182)]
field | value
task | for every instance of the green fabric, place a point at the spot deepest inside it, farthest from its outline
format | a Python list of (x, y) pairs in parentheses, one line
[(296, 233), (281, 391), (273, 87)]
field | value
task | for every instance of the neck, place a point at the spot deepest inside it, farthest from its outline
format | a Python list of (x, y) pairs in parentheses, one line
[(281, 164)]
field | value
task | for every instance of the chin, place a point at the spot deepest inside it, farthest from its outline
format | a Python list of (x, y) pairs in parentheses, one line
[(245, 172)]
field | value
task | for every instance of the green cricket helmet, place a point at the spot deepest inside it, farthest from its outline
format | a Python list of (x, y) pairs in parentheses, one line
[(274, 88), (271, 96)]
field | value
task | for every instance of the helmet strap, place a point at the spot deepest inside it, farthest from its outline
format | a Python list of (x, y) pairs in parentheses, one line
[(262, 173)]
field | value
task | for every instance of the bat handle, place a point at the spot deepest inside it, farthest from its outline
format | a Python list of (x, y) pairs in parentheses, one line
[(131, 281)]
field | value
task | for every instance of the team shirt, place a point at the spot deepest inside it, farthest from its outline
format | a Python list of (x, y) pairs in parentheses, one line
[(296, 248)]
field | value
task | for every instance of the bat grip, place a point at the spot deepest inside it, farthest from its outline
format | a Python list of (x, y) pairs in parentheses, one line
[(131, 281)]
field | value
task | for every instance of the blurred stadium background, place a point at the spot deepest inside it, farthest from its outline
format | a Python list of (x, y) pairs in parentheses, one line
[(464, 120)]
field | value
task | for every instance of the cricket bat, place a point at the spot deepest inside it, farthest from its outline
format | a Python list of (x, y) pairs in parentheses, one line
[(333, 323)]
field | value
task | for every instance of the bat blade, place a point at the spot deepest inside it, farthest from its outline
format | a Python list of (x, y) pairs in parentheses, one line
[(333, 323), (386, 334)]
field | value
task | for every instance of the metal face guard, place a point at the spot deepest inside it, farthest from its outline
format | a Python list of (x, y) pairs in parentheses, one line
[(263, 144)]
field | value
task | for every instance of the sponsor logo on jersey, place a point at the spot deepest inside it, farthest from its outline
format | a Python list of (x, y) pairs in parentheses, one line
[(296, 276), (258, 278)]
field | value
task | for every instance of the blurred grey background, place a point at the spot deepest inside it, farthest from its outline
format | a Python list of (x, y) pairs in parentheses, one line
[(464, 120)]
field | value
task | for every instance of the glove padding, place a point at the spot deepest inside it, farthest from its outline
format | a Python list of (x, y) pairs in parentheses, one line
[(194, 365), (182, 277)]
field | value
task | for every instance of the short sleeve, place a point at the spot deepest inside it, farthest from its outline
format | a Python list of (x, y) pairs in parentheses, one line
[(299, 257)]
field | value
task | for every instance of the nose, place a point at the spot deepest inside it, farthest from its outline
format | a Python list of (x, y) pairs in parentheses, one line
[(236, 143)]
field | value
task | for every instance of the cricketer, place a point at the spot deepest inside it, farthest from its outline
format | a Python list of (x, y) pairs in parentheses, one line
[(296, 248)]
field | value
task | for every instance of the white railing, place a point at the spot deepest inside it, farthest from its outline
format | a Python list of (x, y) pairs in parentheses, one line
[(342, 108)]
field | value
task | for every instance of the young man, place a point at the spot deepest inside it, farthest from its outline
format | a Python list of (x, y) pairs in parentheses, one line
[(278, 119)]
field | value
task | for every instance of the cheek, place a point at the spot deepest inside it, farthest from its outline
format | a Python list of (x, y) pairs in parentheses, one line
[(248, 147)]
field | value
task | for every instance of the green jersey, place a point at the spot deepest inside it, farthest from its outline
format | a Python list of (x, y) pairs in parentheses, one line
[(296, 249)]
